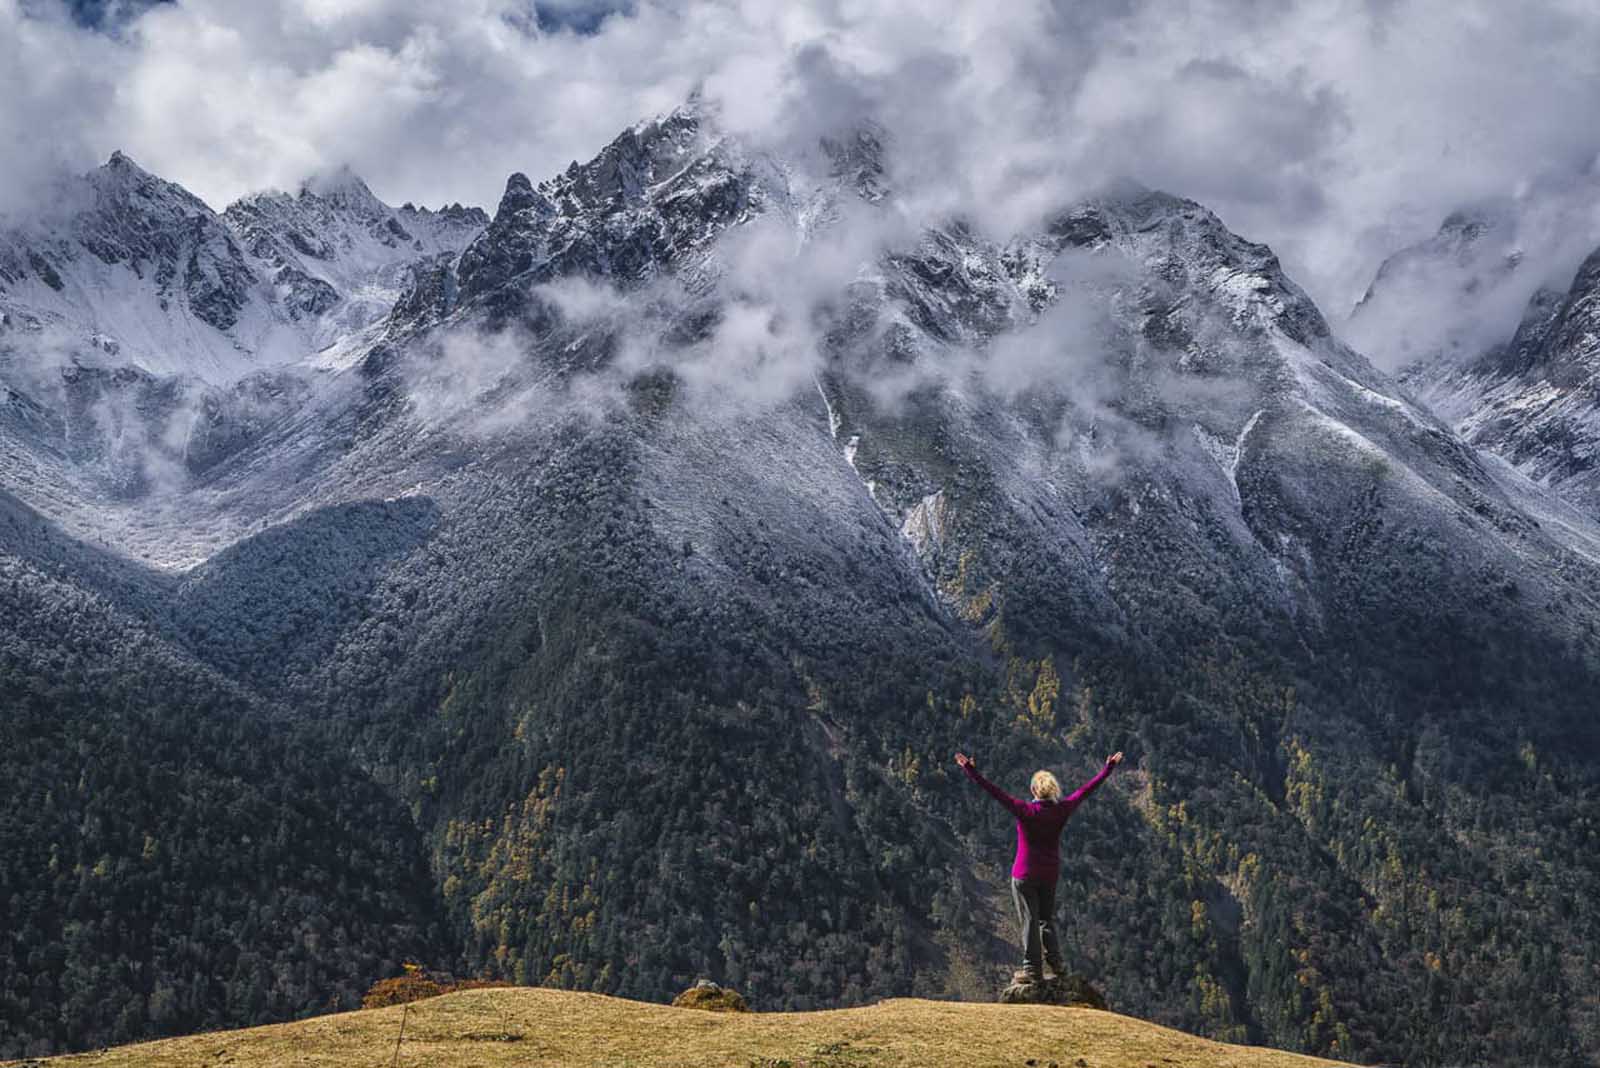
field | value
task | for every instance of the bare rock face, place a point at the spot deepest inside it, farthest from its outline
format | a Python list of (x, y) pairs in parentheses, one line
[(1057, 990)]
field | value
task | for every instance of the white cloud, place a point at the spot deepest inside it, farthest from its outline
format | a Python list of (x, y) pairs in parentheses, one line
[(55, 82), (1334, 130)]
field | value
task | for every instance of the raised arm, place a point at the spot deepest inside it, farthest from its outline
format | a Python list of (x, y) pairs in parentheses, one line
[(1014, 806), (1076, 797)]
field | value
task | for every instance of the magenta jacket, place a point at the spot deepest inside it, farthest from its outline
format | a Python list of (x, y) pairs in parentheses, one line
[(1039, 825)]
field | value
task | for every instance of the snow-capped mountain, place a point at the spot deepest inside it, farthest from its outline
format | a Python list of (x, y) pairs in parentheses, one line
[(143, 336), (137, 269), (663, 482), (338, 257), (1530, 397), (124, 268)]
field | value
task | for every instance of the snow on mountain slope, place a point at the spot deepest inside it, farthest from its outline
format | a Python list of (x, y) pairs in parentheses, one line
[(1436, 298), (143, 337), (338, 257), (1218, 418), (1201, 367), (128, 269), (1211, 353)]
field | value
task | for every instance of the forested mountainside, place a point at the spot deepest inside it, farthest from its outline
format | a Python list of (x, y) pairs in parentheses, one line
[(613, 611), (175, 859)]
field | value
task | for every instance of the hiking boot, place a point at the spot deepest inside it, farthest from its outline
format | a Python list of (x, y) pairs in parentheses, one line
[(1054, 971), (1027, 975)]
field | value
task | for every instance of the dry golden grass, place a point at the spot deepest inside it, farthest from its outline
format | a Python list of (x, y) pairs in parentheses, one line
[(532, 1028)]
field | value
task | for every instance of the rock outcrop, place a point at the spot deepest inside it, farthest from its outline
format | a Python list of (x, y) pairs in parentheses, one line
[(713, 998), (1056, 990)]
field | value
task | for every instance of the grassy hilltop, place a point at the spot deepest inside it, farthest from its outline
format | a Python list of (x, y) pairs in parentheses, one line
[(535, 1027)]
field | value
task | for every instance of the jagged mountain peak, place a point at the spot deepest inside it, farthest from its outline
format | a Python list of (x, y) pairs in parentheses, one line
[(338, 256), (121, 164), (1474, 242), (1570, 345), (694, 112), (119, 161), (344, 192), (125, 261), (339, 190), (660, 190), (122, 186), (521, 196), (624, 170), (128, 264), (1182, 243), (454, 212)]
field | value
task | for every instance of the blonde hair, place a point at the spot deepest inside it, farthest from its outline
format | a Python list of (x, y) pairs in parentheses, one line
[(1045, 787)]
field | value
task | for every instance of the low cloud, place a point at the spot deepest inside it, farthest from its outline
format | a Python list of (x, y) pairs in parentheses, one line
[(481, 383), (1465, 289), (57, 80), (1064, 351)]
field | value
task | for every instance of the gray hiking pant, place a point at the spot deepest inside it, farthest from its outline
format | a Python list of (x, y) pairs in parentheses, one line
[(1036, 913)]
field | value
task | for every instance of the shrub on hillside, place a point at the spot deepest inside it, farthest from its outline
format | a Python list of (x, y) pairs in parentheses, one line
[(711, 997), (418, 983)]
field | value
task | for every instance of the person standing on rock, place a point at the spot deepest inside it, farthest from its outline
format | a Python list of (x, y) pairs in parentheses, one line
[(1037, 867)]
